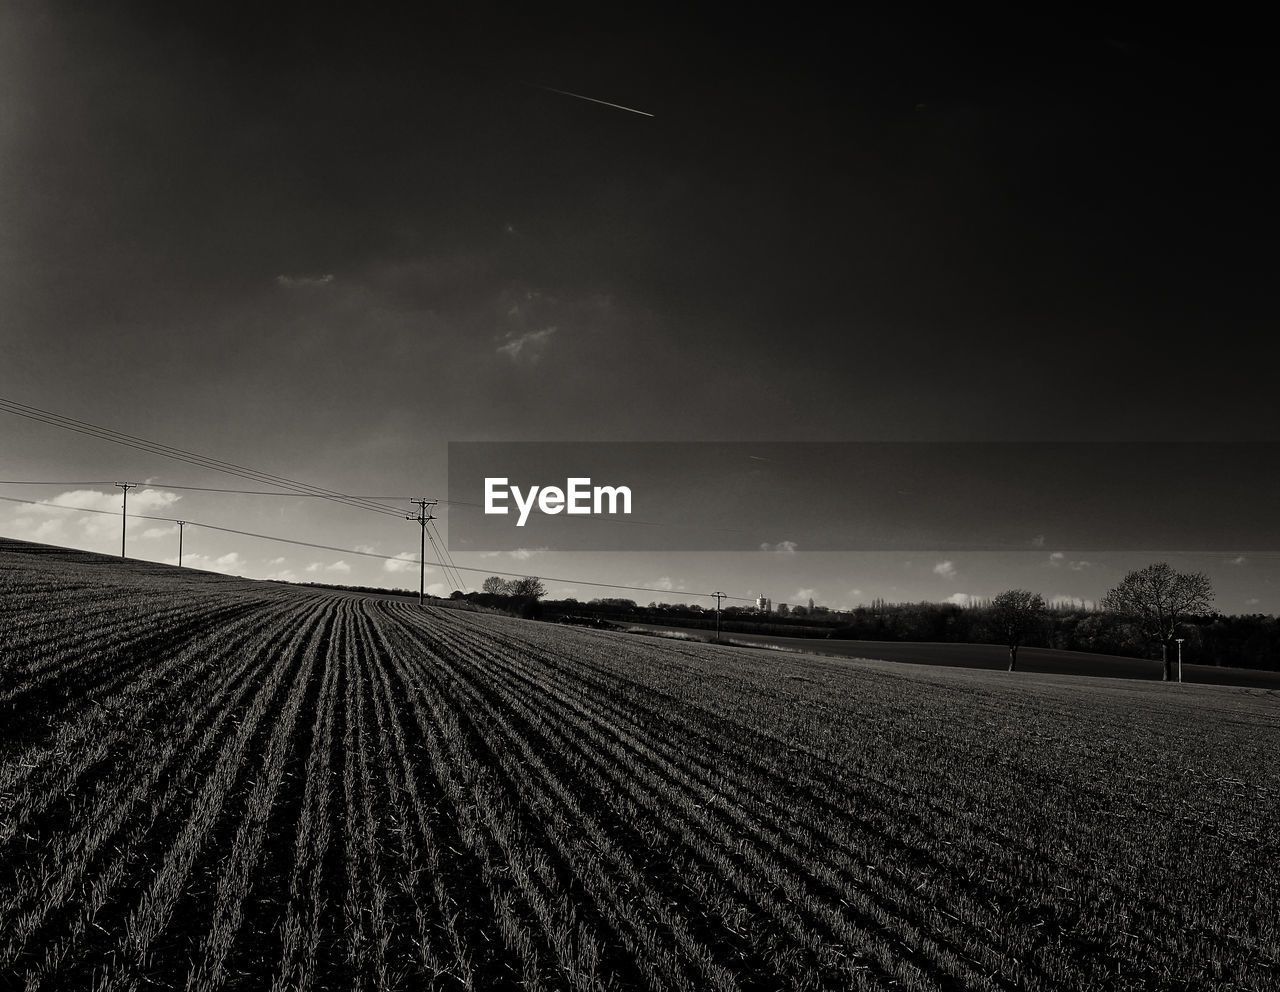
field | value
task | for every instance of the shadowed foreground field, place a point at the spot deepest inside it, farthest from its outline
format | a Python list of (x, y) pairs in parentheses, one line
[(213, 783)]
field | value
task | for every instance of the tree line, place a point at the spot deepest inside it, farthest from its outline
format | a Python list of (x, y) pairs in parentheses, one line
[(1142, 617)]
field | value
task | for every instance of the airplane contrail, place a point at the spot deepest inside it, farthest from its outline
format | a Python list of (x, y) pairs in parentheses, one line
[(606, 103)]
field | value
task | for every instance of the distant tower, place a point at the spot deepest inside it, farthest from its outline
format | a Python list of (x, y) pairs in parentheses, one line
[(762, 605)]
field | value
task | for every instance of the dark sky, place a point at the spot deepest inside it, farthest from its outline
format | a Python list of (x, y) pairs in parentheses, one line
[(327, 241)]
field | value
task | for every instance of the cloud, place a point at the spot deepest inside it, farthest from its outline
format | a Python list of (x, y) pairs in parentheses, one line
[(1079, 566), (782, 547), (524, 554), (804, 595), (666, 584), (960, 599), (1251, 601), (406, 561), (1055, 559), (946, 569), (152, 532), (337, 566), (1038, 541), (59, 520), (277, 561), (527, 347), (230, 564), (303, 282), (1239, 560)]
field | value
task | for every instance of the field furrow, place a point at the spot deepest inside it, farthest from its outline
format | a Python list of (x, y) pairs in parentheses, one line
[(213, 784)]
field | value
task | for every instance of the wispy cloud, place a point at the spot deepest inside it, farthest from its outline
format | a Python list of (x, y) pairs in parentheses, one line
[(231, 563), (1238, 560), (946, 569), (527, 347), (303, 282), (782, 547), (524, 554), (337, 566), (406, 561)]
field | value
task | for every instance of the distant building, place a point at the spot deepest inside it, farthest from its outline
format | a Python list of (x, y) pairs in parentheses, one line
[(763, 604)]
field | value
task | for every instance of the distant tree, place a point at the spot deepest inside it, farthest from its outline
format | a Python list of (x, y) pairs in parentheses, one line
[(495, 586), (1156, 599), (1015, 616), (530, 586)]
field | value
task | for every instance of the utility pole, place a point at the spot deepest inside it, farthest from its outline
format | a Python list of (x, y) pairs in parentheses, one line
[(1179, 640), (719, 596), (181, 524), (422, 518), (126, 486)]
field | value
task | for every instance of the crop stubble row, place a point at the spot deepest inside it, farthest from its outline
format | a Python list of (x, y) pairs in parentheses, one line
[(298, 791)]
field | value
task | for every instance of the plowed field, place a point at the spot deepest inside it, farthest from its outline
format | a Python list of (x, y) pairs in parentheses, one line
[(211, 783)]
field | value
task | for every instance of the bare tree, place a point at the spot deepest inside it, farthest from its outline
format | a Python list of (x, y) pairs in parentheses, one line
[(530, 586), (1016, 615), (496, 586), (1156, 599)]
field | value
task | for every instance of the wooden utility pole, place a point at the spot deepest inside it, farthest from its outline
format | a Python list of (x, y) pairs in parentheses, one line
[(124, 510), (181, 524), (719, 596), (422, 518)]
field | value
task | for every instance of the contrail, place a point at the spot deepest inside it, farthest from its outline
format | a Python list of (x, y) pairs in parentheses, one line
[(605, 103)]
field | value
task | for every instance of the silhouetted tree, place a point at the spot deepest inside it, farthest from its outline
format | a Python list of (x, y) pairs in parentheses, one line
[(1156, 598), (496, 586), (1016, 615), (530, 586)]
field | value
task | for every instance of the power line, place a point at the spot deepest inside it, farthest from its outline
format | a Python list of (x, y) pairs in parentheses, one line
[(372, 554), (185, 455), (444, 553)]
